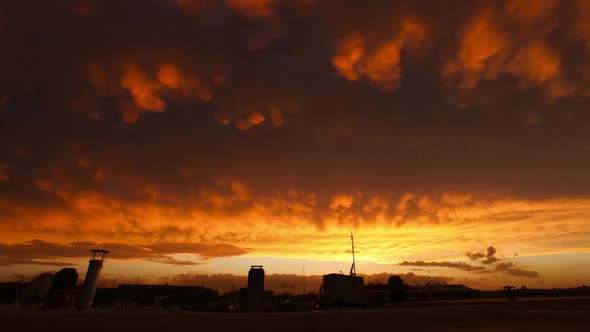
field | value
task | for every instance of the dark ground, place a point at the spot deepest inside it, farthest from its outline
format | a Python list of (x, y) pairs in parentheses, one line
[(521, 315)]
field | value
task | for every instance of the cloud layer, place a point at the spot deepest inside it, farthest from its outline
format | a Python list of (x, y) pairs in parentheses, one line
[(259, 123)]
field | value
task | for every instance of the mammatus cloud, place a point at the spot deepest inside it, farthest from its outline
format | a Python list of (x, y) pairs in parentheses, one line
[(124, 71), (38, 252), (139, 90), (378, 64), (518, 42), (230, 211)]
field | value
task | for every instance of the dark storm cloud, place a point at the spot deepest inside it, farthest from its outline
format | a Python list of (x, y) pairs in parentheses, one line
[(9, 261), (489, 256), (491, 264), (510, 269), (393, 103), (455, 265), (475, 255), (36, 252)]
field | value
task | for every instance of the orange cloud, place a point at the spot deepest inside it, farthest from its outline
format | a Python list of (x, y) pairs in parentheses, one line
[(376, 203), (173, 78), (381, 64), (483, 50), (512, 41), (231, 212), (250, 116), (341, 202), (256, 118), (146, 93), (142, 88), (349, 52), (538, 64)]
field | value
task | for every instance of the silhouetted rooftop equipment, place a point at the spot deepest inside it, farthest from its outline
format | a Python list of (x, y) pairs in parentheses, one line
[(97, 257), (35, 291), (98, 254)]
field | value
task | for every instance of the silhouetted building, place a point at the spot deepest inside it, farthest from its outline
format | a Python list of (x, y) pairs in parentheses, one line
[(184, 297), (376, 295), (396, 289), (437, 292), (339, 290), (9, 291), (255, 293)]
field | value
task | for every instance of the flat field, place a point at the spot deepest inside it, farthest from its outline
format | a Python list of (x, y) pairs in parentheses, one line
[(521, 315)]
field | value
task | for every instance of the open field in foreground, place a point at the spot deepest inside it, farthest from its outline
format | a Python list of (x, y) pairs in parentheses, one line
[(522, 315)]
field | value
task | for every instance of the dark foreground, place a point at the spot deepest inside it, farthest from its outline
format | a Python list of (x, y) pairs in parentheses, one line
[(549, 315)]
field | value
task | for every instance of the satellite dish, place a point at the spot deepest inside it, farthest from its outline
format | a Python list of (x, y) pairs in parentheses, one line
[(35, 291)]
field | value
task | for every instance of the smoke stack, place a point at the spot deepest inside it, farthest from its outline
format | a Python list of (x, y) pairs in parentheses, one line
[(94, 266)]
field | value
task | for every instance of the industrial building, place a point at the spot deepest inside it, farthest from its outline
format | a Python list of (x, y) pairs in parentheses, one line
[(339, 290), (255, 291), (182, 297)]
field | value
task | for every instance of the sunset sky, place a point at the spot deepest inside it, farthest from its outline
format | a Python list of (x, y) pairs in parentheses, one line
[(193, 137)]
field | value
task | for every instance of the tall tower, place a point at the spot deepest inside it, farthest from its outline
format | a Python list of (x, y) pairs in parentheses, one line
[(256, 288), (94, 266)]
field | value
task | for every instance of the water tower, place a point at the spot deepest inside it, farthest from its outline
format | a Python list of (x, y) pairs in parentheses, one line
[(256, 288), (94, 266)]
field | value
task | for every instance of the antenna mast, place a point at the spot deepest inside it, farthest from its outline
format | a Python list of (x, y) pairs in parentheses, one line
[(353, 267)]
